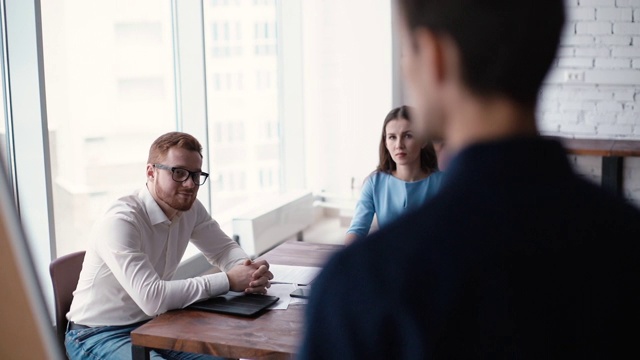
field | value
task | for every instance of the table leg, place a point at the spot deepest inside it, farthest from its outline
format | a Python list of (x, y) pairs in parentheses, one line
[(140, 353), (612, 173)]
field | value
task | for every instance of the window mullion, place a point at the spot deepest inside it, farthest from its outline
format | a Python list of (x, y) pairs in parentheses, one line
[(190, 79), (30, 133), (290, 106)]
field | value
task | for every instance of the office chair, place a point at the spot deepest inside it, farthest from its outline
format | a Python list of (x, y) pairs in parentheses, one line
[(65, 272)]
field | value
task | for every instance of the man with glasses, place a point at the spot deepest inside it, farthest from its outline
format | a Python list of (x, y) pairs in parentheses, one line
[(136, 247)]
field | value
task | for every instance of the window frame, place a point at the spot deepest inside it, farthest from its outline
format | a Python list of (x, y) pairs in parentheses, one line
[(27, 125), (27, 116), (28, 133)]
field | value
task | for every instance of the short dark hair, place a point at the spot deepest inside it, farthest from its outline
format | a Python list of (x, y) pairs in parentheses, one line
[(161, 145), (506, 46), (428, 160)]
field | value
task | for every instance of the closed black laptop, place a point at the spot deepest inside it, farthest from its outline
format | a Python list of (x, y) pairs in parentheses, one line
[(236, 304)]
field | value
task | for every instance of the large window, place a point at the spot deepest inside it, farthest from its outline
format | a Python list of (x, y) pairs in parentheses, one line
[(241, 43), (3, 129), (3, 134), (276, 90), (348, 89), (110, 92), (3, 109)]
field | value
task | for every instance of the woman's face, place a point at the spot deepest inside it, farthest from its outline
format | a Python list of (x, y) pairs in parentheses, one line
[(401, 143)]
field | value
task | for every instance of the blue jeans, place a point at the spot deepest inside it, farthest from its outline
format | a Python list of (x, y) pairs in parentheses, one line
[(114, 343)]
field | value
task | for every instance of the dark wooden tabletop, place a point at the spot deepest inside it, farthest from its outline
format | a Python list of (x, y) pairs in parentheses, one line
[(600, 147), (626, 148), (275, 334), (300, 253)]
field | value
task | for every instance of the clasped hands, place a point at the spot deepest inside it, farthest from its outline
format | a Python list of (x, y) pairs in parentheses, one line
[(251, 277)]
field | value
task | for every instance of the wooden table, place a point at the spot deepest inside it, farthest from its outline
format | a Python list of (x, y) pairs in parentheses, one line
[(273, 335), (612, 152)]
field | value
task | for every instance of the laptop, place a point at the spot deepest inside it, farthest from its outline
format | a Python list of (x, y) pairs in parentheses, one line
[(235, 303)]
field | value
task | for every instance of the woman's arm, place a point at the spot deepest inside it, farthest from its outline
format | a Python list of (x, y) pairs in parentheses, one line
[(365, 209), (350, 238)]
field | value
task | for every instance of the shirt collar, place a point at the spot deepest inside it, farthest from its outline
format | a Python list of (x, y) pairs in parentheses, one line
[(156, 215)]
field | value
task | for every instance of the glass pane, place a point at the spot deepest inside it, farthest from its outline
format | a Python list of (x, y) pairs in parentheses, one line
[(242, 88), (347, 90), (3, 113), (110, 93), (3, 130)]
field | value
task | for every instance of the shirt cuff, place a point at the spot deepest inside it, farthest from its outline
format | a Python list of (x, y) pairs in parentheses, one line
[(218, 283)]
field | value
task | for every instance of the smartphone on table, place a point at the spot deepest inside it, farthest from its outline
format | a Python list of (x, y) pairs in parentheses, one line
[(302, 293)]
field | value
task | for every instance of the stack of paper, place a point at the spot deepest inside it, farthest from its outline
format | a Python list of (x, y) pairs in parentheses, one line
[(286, 279), (287, 274)]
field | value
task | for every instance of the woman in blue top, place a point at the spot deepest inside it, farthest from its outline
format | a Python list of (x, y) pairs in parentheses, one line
[(406, 176)]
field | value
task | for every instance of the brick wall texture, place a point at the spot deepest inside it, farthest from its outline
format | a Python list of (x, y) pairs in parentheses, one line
[(600, 35)]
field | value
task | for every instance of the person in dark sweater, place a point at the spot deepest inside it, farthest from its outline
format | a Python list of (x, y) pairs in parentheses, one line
[(516, 256)]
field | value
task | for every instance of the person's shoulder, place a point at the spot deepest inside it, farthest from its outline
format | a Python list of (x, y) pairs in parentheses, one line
[(426, 230), (362, 270), (438, 174), (377, 176), (127, 207), (367, 254), (376, 179), (120, 225), (406, 236), (435, 177), (359, 272)]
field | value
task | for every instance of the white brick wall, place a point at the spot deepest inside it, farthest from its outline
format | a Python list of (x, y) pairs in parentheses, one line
[(592, 3), (593, 28), (600, 35), (614, 14), (628, 3), (626, 28), (613, 63)]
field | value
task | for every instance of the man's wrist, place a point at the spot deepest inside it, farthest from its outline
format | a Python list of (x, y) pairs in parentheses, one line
[(228, 280), (218, 283)]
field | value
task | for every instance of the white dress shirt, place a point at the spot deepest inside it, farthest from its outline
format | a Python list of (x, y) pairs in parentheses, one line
[(133, 253)]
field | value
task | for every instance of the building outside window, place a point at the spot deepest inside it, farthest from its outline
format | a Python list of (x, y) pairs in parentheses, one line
[(111, 89), (110, 92), (237, 108)]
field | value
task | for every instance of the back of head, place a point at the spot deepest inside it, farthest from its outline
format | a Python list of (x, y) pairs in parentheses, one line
[(506, 46)]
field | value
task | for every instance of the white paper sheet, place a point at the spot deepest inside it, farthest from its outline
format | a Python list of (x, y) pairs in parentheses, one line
[(282, 291), (301, 275)]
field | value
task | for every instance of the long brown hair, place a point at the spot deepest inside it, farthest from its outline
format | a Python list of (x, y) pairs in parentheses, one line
[(428, 161)]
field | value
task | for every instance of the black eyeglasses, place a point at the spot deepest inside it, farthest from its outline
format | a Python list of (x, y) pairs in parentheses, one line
[(181, 175)]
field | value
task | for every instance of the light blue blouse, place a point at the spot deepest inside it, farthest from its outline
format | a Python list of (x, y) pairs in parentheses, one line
[(389, 197)]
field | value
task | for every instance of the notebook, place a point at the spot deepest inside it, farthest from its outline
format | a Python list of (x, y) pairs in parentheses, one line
[(236, 304)]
